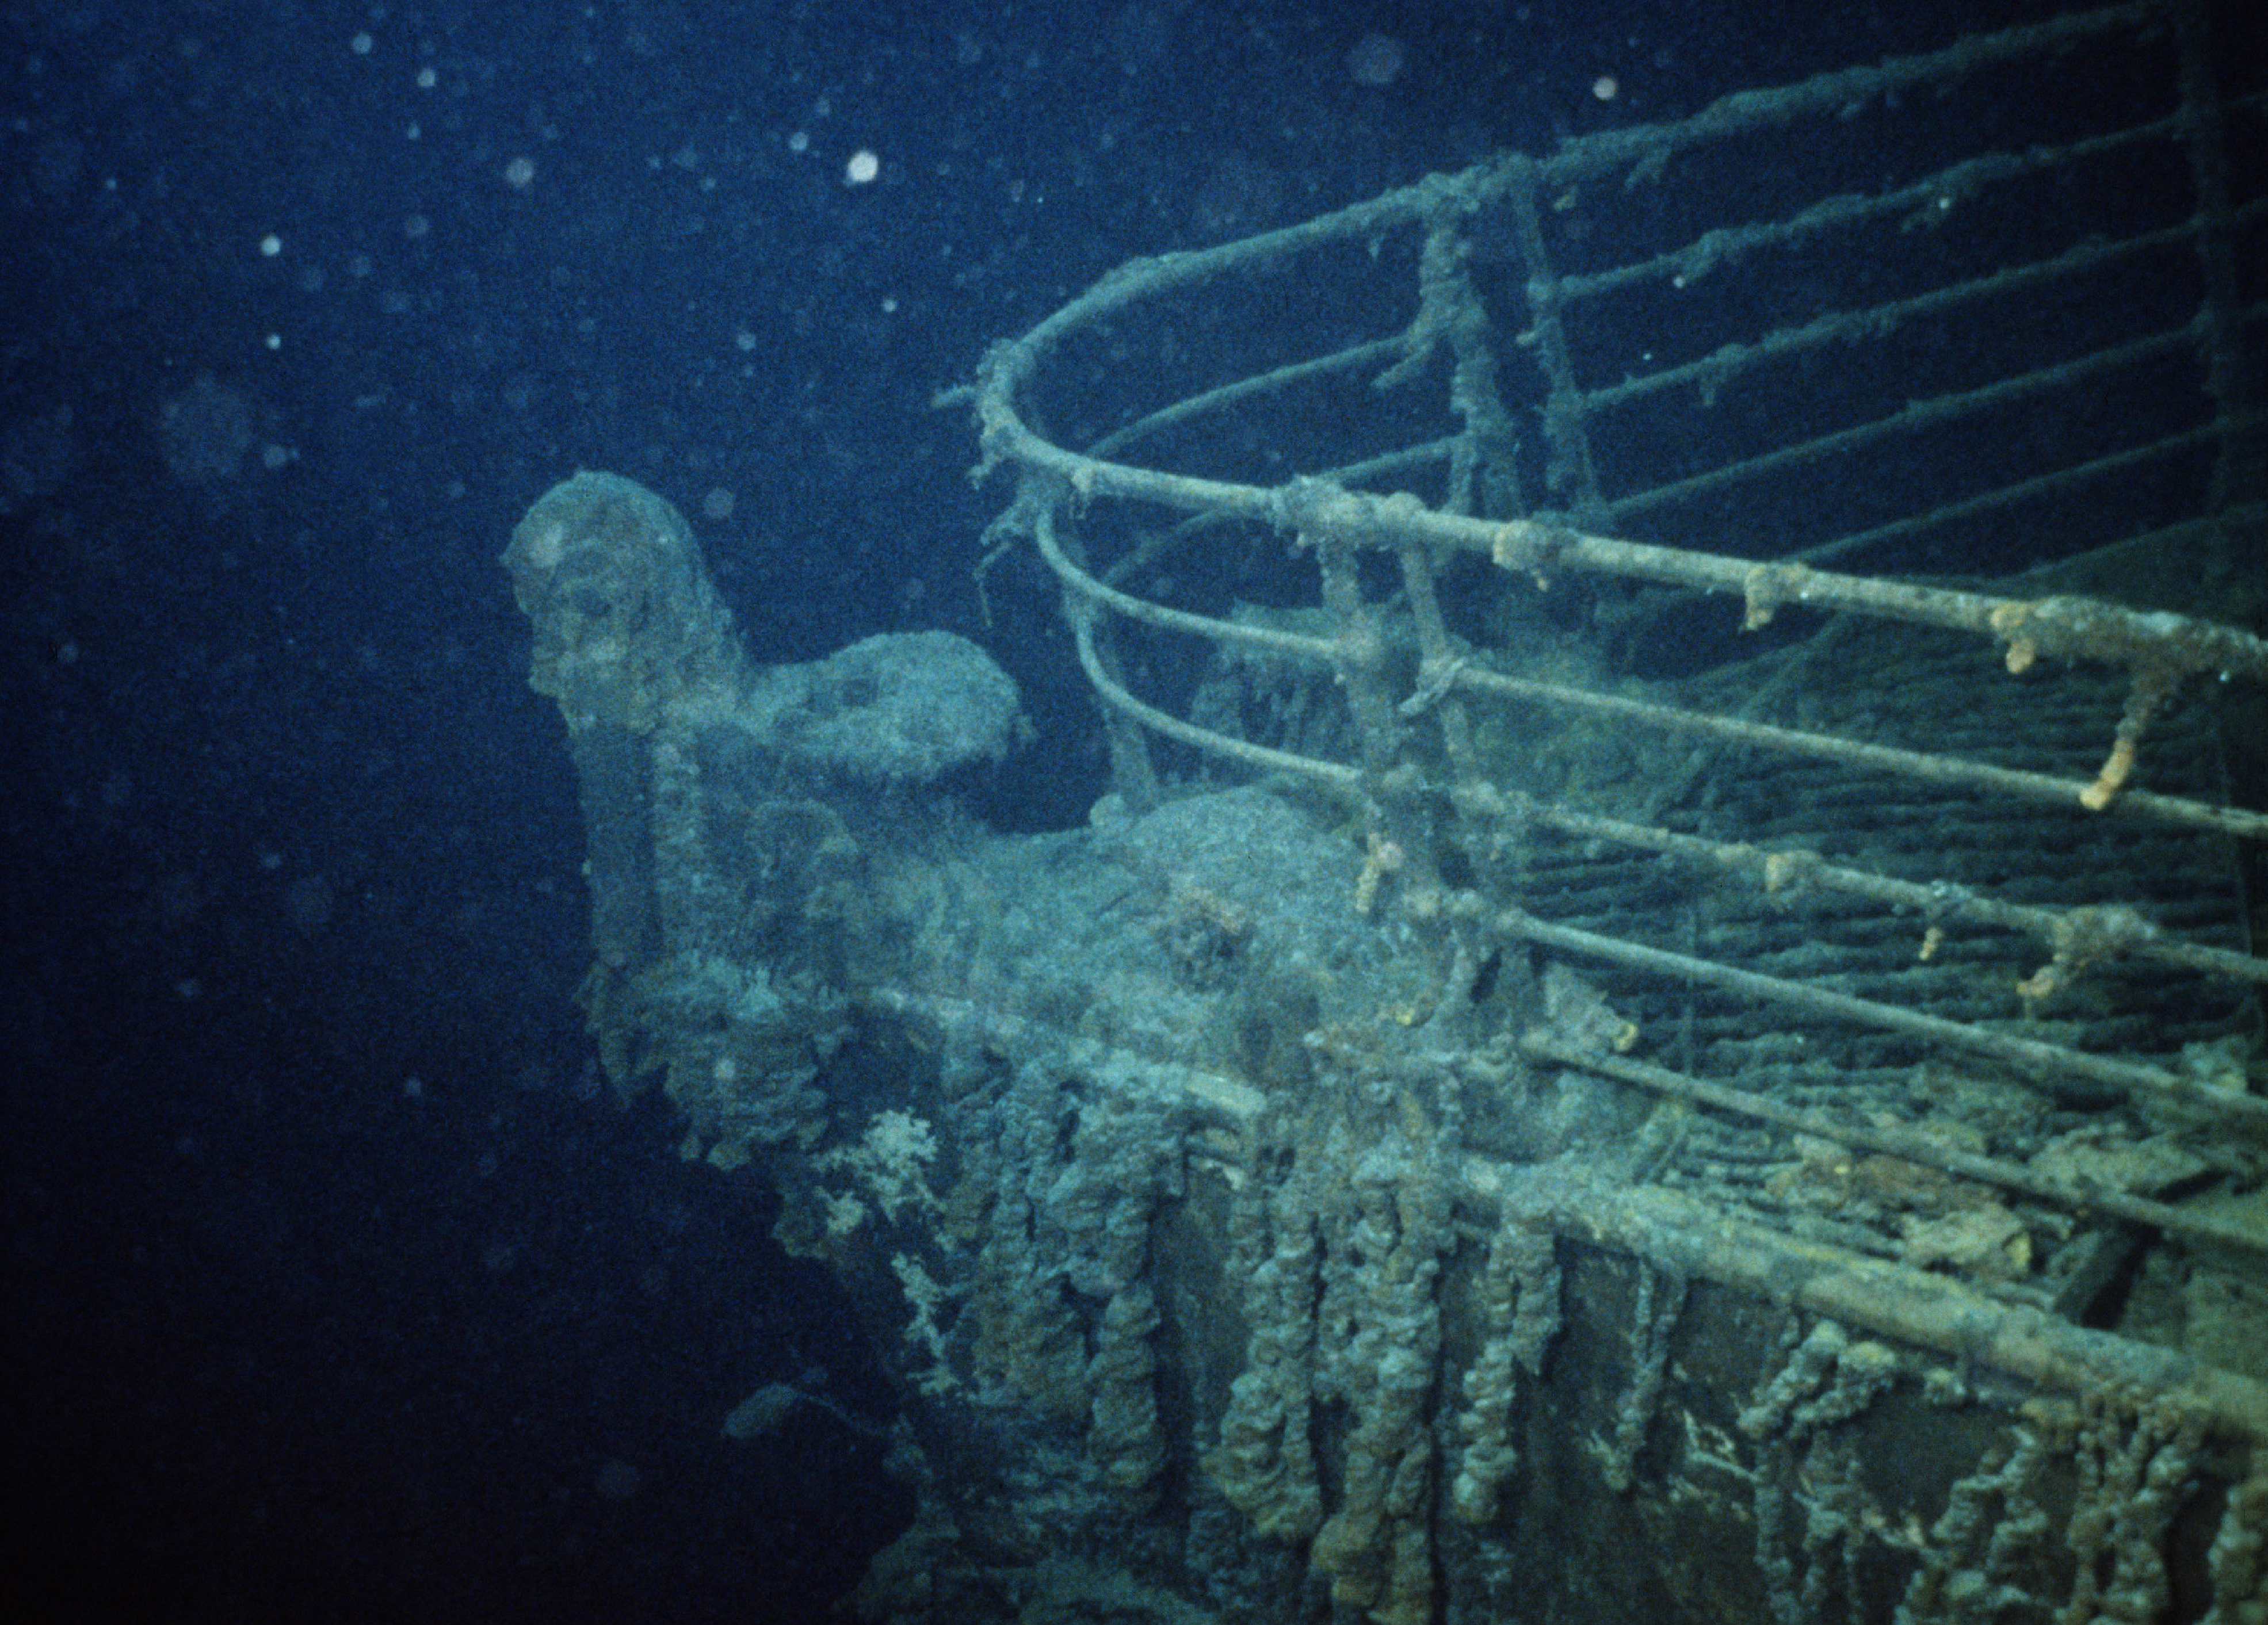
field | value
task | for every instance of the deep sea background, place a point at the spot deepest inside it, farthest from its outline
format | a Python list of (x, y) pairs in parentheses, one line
[(337, 1288)]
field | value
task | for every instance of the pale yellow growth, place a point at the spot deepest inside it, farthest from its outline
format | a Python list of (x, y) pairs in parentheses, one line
[(2113, 777), (890, 1163), (927, 1296)]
